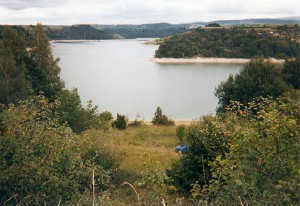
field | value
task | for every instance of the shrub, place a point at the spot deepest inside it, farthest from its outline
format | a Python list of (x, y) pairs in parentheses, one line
[(43, 162), (180, 132), (136, 123), (71, 112), (120, 122), (38, 157), (205, 142), (249, 157), (261, 167), (161, 119)]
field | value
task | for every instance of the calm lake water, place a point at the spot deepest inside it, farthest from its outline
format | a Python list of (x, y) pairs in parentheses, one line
[(118, 77)]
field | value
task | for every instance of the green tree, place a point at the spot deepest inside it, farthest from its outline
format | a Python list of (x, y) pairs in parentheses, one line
[(120, 122), (16, 43), (95, 120), (257, 78), (70, 110), (43, 67), (13, 83), (161, 119)]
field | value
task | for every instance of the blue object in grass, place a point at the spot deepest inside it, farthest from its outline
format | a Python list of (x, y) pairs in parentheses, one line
[(181, 148)]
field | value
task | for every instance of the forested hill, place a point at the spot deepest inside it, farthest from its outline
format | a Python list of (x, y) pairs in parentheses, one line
[(158, 30), (236, 42), (75, 32), (98, 32)]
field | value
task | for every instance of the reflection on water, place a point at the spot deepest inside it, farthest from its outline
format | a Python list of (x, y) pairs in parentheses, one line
[(118, 76)]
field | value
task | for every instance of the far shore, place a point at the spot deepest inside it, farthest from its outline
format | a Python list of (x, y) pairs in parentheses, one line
[(72, 41), (208, 60)]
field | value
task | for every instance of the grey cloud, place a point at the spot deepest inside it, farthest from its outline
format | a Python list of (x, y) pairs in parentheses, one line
[(140, 11), (23, 4)]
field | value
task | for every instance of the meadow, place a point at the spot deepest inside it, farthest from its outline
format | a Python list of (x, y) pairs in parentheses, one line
[(137, 150)]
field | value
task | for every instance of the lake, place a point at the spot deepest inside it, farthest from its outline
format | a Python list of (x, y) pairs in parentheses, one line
[(118, 76)]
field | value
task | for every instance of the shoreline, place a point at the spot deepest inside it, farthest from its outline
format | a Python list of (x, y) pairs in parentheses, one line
[(72, 41), (207, 60)]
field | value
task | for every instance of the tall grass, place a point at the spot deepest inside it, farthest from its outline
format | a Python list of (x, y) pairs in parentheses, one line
[(134, 148)]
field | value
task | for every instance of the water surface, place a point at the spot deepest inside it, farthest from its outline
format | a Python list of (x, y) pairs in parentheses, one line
[(118, 76)]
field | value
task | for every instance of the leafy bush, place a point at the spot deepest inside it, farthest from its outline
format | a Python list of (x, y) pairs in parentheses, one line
[(261, 167), (161, 119), (38, 157), (71, 112), (95, 120), (155, 180), (43, 162), (249, 157), (120, 122), (97, 157), (205, 141)]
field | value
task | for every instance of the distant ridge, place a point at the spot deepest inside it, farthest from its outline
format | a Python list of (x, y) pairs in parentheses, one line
[(284, 20), (132, 31)]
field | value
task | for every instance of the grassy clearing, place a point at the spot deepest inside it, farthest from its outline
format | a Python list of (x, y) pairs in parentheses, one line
[(133, 144), (136, 149)]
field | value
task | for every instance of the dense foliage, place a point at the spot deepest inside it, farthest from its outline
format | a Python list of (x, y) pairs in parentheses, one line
[(120, 122), (27, 67), (43, 162), (71, 112), (248, 157), (42, 66), (258, 78), (228, 43)]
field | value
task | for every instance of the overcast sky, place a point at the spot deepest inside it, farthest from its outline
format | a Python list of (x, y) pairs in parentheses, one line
[(66, 12)]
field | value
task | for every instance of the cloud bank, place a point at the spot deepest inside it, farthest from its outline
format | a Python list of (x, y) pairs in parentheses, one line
[(137, 11)]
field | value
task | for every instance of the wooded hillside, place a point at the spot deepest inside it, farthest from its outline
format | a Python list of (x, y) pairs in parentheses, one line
[(230, 43)]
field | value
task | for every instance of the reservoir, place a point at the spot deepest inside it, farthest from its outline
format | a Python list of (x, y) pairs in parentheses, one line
[(118, 76)]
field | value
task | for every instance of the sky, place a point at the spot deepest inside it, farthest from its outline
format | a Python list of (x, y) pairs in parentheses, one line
[(69, 12)]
